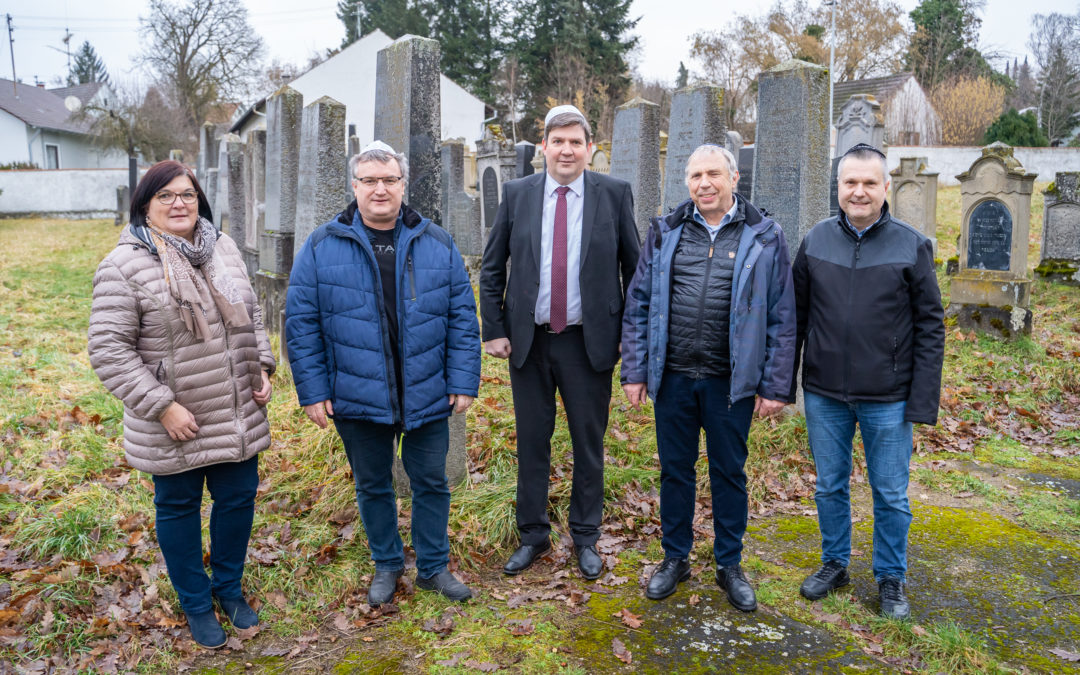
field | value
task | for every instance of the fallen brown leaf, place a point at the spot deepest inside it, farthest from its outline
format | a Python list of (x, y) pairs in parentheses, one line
[(629, 618), (620, 651)]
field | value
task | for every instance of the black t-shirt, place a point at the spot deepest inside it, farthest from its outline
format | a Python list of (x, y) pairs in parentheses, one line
[(383, 244)]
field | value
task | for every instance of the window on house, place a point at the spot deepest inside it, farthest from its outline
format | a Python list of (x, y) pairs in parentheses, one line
[(52, 156)]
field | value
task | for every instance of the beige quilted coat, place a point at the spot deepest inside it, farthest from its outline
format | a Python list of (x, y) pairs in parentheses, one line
[(145, 356)]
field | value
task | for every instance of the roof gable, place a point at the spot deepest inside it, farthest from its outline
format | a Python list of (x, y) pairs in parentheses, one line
[(881, 88), (39, 107)]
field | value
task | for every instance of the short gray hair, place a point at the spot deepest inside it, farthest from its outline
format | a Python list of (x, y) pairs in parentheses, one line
[(376, 155), (569, 119), (710, 149), (865, 154)]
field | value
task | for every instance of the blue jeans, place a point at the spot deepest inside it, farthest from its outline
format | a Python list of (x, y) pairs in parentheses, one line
[(830, 426), (178, 501), (370, 448), (684, 406)]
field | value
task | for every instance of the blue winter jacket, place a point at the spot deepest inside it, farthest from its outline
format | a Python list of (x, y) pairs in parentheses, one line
[(339, 345), (762, 336)]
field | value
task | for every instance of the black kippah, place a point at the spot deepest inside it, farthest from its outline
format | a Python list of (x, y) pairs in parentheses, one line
[(860, 147)]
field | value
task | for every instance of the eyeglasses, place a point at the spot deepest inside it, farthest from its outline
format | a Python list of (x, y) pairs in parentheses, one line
[(369, 181), (166, 198)]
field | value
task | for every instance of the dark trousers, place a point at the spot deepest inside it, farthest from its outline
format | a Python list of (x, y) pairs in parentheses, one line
[(178, 501), (560, 363), (370, 448), (684, 406)]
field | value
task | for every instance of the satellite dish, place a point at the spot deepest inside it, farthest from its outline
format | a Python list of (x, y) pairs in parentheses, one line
[(73, 104)]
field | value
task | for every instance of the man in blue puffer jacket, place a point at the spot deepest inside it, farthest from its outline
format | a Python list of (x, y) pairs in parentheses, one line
[(382, 336)]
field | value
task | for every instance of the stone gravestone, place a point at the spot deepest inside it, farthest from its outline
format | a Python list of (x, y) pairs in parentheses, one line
[(992, 291), (461, 211), (746, 171), (1059, 259), (914, 196), (860, 121), (210, 189), (284, 110), (525, 153), (237, 191), (220, 205), (209, 139), (791, 153), (496, 163), (123, 204), (407, 116), (254, 198), (321, 176), (734, 144), (697, 117), (635, 157)]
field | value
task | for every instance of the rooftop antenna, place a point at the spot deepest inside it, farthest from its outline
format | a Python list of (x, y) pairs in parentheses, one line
[(67, 45), (11, 42)]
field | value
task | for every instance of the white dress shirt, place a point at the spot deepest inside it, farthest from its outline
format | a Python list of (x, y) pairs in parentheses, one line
[(575, 201)]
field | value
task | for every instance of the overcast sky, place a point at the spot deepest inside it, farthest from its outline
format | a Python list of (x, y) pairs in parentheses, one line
[(293, 31)]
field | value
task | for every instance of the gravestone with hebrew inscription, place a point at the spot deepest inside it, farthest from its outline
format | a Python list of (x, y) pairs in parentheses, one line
[(791, 154), (914, 196), (1059, 259), (992, 291), (860, 121), (635, 157), (697, 117), (496, 163)]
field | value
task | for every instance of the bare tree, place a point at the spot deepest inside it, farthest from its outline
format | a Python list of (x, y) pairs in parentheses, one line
[(1055, 43), (203, 50)]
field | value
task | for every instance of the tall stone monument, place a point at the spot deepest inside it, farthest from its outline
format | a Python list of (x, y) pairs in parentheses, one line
[(791, 154), (407, 116), (635, 157), (234, 164), (1059, 259), (209, 140), (746, 171), (321, 175), (220, 205), (860, 121), (284, 110), (914, 196), (525, 153), (992, 291), (697, 117), (254, 198)]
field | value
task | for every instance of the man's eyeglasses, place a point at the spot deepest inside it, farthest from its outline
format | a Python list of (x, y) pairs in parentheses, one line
[(370, 181), (166, 198)]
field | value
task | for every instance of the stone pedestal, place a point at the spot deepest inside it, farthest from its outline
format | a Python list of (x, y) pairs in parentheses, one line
[(914, 196), (635, 157), (992, 283), (1059, 259), (697, 117)]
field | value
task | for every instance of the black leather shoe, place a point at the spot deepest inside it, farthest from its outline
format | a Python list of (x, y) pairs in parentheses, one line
[(831, 576), (667, 577), (589, 561), (238, 612), (894, 604), (447, 584), (525, 556), (206, 630), (383, 585), (739, 591)]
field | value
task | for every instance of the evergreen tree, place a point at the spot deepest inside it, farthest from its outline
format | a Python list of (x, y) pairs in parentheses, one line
[(1059, 98), (393, 17), (1026, 94), (470, 33), (945, 40), (683, 78), (1017, 130), (88, 67)]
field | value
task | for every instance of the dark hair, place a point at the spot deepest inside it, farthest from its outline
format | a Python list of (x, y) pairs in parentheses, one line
[(157, 177), (569, 119)]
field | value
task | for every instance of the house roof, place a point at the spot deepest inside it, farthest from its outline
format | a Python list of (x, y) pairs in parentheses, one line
[(39, 107), (84, 92), (878, 87)]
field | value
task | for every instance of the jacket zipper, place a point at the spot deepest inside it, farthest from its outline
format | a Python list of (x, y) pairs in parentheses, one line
[(412, 279), (701, 300), (847, 319)]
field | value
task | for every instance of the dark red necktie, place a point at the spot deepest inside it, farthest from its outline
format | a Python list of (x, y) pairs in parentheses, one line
[(558, 264)]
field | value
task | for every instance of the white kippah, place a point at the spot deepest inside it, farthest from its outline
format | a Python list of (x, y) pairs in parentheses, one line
[(378, 145), (560, 109)]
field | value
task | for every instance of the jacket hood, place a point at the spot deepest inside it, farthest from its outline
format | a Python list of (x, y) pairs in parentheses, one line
[(410, 216)]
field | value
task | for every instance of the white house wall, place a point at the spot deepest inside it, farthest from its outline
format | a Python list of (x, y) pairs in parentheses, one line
[(949, 162), (13, 139)]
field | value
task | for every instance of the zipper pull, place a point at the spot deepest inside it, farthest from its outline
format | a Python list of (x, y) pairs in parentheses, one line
[(710, 250)]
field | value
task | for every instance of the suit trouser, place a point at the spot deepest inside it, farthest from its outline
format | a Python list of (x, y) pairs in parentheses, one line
[(559, 362)]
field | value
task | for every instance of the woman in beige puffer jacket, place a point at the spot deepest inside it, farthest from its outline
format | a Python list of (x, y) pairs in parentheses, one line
[(176, 333)]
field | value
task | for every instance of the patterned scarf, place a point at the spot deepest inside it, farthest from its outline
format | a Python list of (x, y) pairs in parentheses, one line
[(193, 292)]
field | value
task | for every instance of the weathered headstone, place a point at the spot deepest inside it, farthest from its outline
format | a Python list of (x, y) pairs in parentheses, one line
[(177, 155), (992, 291), (210, 189), (914, 196), (254, 198), (525, 153), (496, 163), (407, 116), (461, 211), (697, 117), (791, 154), (600, 162), (220, 205), (209, 140), (123, 204), (734, 143), (860, 121), (237, 191), (746, 171), (635, 157), (1059, 258), (284, 110), (321, 177)]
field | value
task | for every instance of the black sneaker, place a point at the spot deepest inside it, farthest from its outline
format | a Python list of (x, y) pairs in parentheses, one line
[(894, 604), (831, 576), (206, 629), (446, 584)]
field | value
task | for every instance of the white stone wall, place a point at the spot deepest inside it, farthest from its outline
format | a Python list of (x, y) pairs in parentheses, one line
[(73, 192), (949, 162)]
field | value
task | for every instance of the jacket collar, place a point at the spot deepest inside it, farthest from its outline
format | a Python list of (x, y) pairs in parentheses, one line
[(848, 228), (407, 215), (746, 212)]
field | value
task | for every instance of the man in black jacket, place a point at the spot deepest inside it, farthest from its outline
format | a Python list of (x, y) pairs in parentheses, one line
[(872, 336)]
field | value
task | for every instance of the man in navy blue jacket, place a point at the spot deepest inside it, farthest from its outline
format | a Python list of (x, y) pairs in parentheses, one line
[(382, 337), (709, 334)]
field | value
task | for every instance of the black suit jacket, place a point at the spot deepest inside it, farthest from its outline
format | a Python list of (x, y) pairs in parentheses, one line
[(609, 254)]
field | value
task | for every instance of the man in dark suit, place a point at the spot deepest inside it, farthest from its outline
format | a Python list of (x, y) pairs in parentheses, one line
[(574, 245)]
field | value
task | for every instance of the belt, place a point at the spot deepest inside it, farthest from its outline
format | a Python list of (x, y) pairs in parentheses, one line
[(570, 328)]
